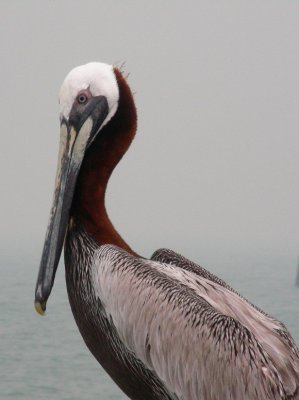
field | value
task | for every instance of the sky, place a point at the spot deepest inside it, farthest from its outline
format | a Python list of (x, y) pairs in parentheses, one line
[(213, 172)]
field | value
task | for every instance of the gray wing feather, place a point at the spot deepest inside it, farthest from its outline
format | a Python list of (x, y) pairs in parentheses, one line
[(177, 260), (172, 258), (201, 339)]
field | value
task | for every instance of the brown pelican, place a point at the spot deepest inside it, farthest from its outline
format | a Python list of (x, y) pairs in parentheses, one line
[(163, 328)]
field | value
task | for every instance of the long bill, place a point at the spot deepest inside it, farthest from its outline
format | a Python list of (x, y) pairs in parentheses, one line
[(75, 136)]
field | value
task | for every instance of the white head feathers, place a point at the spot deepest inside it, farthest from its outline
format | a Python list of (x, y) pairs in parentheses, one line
[(98, 77)]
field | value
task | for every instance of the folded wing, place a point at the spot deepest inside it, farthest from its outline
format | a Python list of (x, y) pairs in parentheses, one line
[(201, 338)]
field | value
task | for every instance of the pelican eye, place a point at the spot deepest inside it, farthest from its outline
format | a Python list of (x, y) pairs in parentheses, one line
[(82, 98)]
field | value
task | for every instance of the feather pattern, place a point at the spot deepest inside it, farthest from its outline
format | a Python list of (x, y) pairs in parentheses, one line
[(97, 327), (285, 353), (182, 330)]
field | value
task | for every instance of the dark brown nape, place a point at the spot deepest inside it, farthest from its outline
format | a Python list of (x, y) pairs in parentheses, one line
[(106, 151)]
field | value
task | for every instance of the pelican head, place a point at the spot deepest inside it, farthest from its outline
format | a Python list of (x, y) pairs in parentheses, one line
[(88, 100)]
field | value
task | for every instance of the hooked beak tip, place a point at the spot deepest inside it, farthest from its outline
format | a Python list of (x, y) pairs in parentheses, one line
[(40, 308)]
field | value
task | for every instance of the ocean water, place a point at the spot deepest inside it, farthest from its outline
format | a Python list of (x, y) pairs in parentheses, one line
[(46, 358)]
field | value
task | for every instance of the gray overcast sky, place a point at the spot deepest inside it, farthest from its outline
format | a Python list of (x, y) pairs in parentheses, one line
[(214, 169)]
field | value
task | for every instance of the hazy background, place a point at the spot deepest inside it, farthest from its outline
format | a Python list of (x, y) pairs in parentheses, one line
[(213, 172)]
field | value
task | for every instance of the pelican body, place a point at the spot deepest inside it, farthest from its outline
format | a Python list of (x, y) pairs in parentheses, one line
[(163, 328)]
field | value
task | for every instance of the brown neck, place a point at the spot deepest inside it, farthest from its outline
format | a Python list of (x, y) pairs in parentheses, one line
[(100, 160)]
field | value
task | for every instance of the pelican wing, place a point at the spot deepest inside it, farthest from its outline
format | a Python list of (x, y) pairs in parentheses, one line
[(201, 339), (177, 260)]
